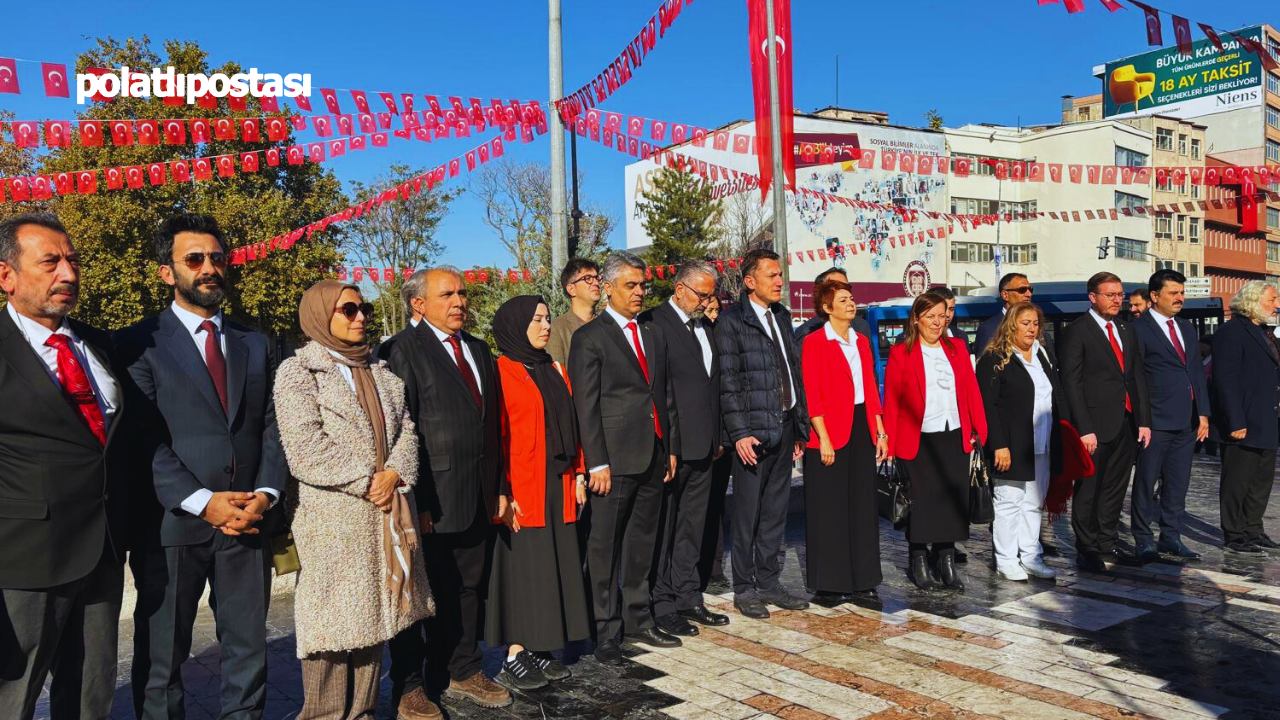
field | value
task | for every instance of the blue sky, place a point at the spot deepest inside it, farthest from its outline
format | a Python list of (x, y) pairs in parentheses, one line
[(1001, 61)]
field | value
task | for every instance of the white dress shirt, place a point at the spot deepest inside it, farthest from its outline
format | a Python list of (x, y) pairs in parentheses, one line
[(622, 323), (466, 353), (766, 319), (941, 407), (345, 369), (1042, 408), (699, 332), (1163, 322), (852, 356), (1103, 323), (105, 388), (196, 501)]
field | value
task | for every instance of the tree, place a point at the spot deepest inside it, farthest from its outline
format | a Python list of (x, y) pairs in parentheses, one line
[(396, 235), (682, 220), (744, 226), (113, 230), (933, 118)]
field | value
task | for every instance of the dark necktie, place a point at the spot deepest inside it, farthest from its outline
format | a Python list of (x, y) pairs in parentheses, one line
[(1115, 348), (693, 330), (76, 386), (644, 367), (781, 359), (464, 367), (1177, 344), (214, 360)]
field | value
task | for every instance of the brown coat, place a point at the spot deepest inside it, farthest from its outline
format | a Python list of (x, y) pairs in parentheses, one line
[(342, 601)]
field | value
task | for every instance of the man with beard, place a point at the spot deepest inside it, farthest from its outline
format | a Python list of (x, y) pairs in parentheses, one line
[(213, 458), (61, 519)]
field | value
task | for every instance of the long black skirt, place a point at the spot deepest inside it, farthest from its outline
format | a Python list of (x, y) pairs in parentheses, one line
[(536, 595), (939, 489), (842, 528)]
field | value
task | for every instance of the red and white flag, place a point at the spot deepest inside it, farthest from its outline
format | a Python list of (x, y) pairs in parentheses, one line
[(1210, 33), (9, 76), (121, 133), (181, 171), (55, 80), (330, 100), (175, 132), (1154, 36), (148, 132), (57, 133), (87, 182), (758, 45), (1182, 33), (91, 133)]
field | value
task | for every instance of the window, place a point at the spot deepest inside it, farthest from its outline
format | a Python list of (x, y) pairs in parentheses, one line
[(971, 252), (1274, 47), (1083, 114), (1273, 251), (1195, 148), (1273, 151), (1160, 264), (1127, 249), (975, 206), (1195, 270), (1182, 227), (1182, 268), (1195, 230), (1273, 117), (1273, 217), (1165, 185), (1182, 144), (1125, 200), (1273, 84), (1195, 191), (1130, 158), (1186, 183), (1163, 230), (1020, 254), (1164, 139)]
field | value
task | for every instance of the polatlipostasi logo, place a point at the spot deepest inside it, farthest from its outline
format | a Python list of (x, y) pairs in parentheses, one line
[(167, 83)]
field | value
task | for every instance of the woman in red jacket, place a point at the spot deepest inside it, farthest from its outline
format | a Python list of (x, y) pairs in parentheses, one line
[(536, 595), (847, 438), (933, 411)]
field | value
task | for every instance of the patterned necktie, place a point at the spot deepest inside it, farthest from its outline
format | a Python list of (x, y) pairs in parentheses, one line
[(214, 360), (76, 386), (644, 367), (1115, 348), (468, 377), (781, 359)]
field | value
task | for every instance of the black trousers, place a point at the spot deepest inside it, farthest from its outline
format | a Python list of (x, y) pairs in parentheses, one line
[(69, 631), (624, 528), (761, 493), (170, 582), (1247, 476), (1098, 500), (458, 571), (1166, 460), (676, 583)]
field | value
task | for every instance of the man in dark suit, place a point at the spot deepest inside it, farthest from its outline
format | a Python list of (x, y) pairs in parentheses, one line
[(211, 454), (1014, 287), (619, 369), (411, 289), (1106, 387), (1179, 418), (451, 389), (765, 418), (695, 375), (816, 322), (62, 512)]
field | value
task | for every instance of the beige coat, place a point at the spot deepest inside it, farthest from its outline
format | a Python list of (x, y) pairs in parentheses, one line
[(342, 601)]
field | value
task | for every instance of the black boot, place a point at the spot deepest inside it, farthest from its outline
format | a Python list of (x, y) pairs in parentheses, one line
[(919, 572), (947, 570)]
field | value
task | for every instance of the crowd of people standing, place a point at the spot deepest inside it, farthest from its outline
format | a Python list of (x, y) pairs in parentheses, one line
[(431, 496)]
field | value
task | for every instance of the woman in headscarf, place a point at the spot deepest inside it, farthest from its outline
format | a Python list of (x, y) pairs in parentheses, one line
[(537, 602), (350, 442)]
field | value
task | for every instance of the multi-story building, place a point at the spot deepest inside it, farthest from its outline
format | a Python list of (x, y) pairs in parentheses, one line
[(1231, 257)]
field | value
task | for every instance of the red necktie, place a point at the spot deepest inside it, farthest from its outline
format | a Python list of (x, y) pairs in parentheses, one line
[(1115, 348), (1177, 344), (76, 385), (464, 367), (644, 366), (214, 361)]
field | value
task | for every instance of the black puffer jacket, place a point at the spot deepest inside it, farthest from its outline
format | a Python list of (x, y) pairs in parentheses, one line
[(750, 379)]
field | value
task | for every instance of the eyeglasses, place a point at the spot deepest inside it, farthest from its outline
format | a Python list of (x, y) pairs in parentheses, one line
[(350, 309), (1025, 290), (1111, 296), (195, 261), (702, 297), (588, 279)]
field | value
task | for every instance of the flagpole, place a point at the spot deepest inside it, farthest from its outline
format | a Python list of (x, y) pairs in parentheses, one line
[(775, 142), (559, 216)]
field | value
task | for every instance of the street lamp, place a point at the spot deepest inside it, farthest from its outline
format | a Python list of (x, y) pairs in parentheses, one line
[(1103, 246)]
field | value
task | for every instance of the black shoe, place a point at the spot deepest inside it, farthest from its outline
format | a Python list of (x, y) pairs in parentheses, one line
[(783, 599), (520, 673), (1265, 542), (703, 616), (919, 572), (1245, 548), (1109, 561), (673, 624), (831, 599), (1145, 552), (552, 668), (962, 557), (1178, 549), (752, 607), (609, 653), (1048, 550), (653, 637), (947, 571)]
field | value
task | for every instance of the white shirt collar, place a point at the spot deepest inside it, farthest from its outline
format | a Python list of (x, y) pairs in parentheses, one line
[(619, 317), (684, 318), (192, 321), (440, 334), (1161, 320), (413, 322), (35, 333), (1102, 322), (762, 312), (830, 330)]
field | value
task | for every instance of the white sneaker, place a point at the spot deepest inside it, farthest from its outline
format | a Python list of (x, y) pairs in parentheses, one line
[(1012, 572), (1039, 569)]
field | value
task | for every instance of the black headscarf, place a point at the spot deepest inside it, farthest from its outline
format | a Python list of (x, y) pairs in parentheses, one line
[(511, 332)]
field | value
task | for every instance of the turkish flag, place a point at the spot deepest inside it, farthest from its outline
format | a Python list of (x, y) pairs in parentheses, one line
[(924, 165), (175, 132), (249, 130), (612, 120), (964, 166), (657, 130), (1093, 173), (1213, 36), (635, 125), (1197, 175), (207, 101), (155, 173), (1248, 206), (148, 132), (1229, 176), (1154, 37), (55, 80), (41, 187), (1074, 172), (315, 152), (679, 133), (384, 120), (1162, 176), (200, 131), (134, 176), (273, 157), (390, 101), (299, 122), (741, 143), (64, 183), (322, 125), (1258, 49), (173, 99), (224, 129), (471, 160), (888, 160), (496, 147), (1142, 176), (91, 133), (115, 178), (1264, 175), (96, 97), (238, 103), (19, 189), (379, 139), (454, 166), (1178, 176), (362, 102), (276, 130), (226, 166), (330, 100), (181, 170), (249, 162), (1036, 172), (337, 148), (295, 155), (345, 124), (203, 169), (1126, 175), (269, 103), (367, 124), (1182, 33), (87, 182), (121, 132), (526, 133), (758, 43), (906, 163), (357, 142), (9, 77), (57, 133)]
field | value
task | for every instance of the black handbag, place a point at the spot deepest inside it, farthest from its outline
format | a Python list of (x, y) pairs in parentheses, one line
[(893, 500), (982, 510)]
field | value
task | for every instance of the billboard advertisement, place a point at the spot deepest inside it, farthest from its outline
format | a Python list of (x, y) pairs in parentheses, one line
[(1167, 82), (867, 240)]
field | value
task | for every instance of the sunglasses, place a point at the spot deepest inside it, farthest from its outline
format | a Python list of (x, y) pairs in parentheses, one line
[(349, 310), (195, 261), (1021, 291)]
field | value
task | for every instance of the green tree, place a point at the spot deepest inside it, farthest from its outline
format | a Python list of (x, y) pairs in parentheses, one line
[(933, 118), (683, 221), (113, 230)]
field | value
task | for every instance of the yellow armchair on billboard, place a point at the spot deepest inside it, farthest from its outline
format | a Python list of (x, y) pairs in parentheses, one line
[(1128, 86)]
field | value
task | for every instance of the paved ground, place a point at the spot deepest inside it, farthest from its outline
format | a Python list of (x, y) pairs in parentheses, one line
[(1181, 642)]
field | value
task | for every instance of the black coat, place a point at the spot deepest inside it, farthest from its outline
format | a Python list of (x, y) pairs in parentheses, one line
[(188, 442), (699, 394), (1173, 383), (816, 322), (987, 330), (458, 443), (63, 496), (615, 403), (1093, 382), (751, 379), (1246, 380), (1009, 396)]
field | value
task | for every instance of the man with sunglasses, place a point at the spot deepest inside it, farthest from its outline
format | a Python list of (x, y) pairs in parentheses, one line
[(211, 468), (581, 282), (1014, 288)]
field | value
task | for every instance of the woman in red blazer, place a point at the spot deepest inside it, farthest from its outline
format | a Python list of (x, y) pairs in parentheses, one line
[(847, 438), (933, 410), (537, 600)]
